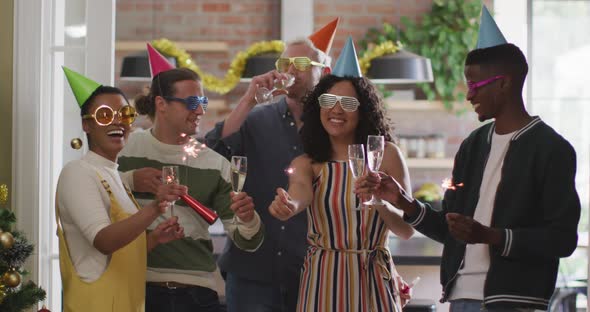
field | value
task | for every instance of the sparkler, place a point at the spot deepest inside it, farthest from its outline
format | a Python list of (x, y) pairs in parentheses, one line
[(289, 171), (448, 184), (191, 149)]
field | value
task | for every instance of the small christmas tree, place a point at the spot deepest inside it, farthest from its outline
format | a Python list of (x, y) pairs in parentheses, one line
[(14, 250)]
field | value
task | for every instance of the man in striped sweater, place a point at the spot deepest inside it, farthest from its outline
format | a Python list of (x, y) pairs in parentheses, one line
[(181, 276)]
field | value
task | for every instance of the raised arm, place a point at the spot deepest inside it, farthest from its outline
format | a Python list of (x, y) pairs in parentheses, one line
[(300, 194), (236, 118), (395, 166), (229, 137)]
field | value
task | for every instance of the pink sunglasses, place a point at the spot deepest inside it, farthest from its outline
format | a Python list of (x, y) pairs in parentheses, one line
[(473, 86)]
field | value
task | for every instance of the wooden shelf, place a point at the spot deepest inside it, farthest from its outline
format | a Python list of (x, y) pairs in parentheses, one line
[(430, 163), (194, 46), (216, 105), (416, 105)]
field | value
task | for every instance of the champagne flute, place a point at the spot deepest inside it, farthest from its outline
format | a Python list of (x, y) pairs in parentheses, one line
[(356, 161), (239, 168), (170, 176), (263, 95), (375, 149)]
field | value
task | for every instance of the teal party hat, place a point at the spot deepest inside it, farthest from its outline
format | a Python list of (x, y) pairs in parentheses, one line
[(347, 63), (489, 33)]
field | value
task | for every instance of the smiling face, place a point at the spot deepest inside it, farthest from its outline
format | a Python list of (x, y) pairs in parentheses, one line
[(338, 123), (175, 114), (488, 99), (109, 140)]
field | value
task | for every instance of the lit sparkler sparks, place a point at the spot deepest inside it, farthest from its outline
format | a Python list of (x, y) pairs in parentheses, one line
[(192, 149), (448, 184), (289, 171)]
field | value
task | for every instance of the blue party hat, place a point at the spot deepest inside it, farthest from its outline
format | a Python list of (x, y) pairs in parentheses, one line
[(347, 63), (489, 33)]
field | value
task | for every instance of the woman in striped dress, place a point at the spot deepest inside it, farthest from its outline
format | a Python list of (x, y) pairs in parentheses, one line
[(348, 266)]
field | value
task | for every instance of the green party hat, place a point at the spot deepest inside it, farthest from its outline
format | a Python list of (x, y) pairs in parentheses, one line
[(82, 86)]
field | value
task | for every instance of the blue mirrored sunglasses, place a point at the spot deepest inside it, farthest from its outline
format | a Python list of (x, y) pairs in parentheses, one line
[(191, 102)]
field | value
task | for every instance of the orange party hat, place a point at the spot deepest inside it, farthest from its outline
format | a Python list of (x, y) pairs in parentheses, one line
[(322, 39)]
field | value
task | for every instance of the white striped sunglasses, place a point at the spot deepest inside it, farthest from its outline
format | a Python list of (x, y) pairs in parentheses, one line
[(348, 103)]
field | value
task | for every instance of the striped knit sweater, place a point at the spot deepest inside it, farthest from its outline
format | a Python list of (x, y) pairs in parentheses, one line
[(189, 260)]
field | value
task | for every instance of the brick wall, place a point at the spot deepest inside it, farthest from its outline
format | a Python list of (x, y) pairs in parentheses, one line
[(241, 23), (356, 17)]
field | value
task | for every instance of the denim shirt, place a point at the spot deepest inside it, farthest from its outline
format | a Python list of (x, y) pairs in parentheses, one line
[(270, 140)]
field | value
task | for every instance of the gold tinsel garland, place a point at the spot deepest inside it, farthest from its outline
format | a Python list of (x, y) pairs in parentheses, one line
[(379, 50), (236, 67), (3, 199), (3, 194), (2, 292)]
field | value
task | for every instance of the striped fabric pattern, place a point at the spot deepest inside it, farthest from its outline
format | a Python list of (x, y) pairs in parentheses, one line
[(347, 266)]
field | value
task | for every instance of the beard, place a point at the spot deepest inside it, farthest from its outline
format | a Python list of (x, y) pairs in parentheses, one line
[(298, 91)]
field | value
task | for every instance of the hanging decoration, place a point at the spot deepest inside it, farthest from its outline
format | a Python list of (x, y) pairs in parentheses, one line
[(6, 239), (44, 309), (236, 67), (11, 278), (16, 295)]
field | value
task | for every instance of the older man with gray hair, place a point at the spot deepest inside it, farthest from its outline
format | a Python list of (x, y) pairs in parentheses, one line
[(268, 135)]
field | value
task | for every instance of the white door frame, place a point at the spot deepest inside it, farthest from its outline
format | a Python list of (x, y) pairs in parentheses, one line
[(37, 136), (29, 61)]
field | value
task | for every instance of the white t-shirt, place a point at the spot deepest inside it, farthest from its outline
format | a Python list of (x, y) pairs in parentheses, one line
[(84, 207), (471, 278)]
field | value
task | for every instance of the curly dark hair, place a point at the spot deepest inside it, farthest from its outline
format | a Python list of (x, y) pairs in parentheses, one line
[(372, 120), (85, 108)]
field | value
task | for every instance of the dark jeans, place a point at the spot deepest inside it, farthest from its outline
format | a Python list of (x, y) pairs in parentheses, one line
[(244, 295), (469, 305), (196, 298)]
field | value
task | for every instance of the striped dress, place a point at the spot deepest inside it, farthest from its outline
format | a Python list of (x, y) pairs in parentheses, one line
[(348, 266)]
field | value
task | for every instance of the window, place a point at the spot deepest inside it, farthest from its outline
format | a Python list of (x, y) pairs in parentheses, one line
[(557, 90), (560, 95)]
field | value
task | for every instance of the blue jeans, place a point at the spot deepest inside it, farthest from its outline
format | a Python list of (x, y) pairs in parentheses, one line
[(470, 305), (466, 305), (196, 298), (253, 296)]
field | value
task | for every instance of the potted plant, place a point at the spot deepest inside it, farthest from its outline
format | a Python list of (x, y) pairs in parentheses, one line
[(445, 36), (430, 193)]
